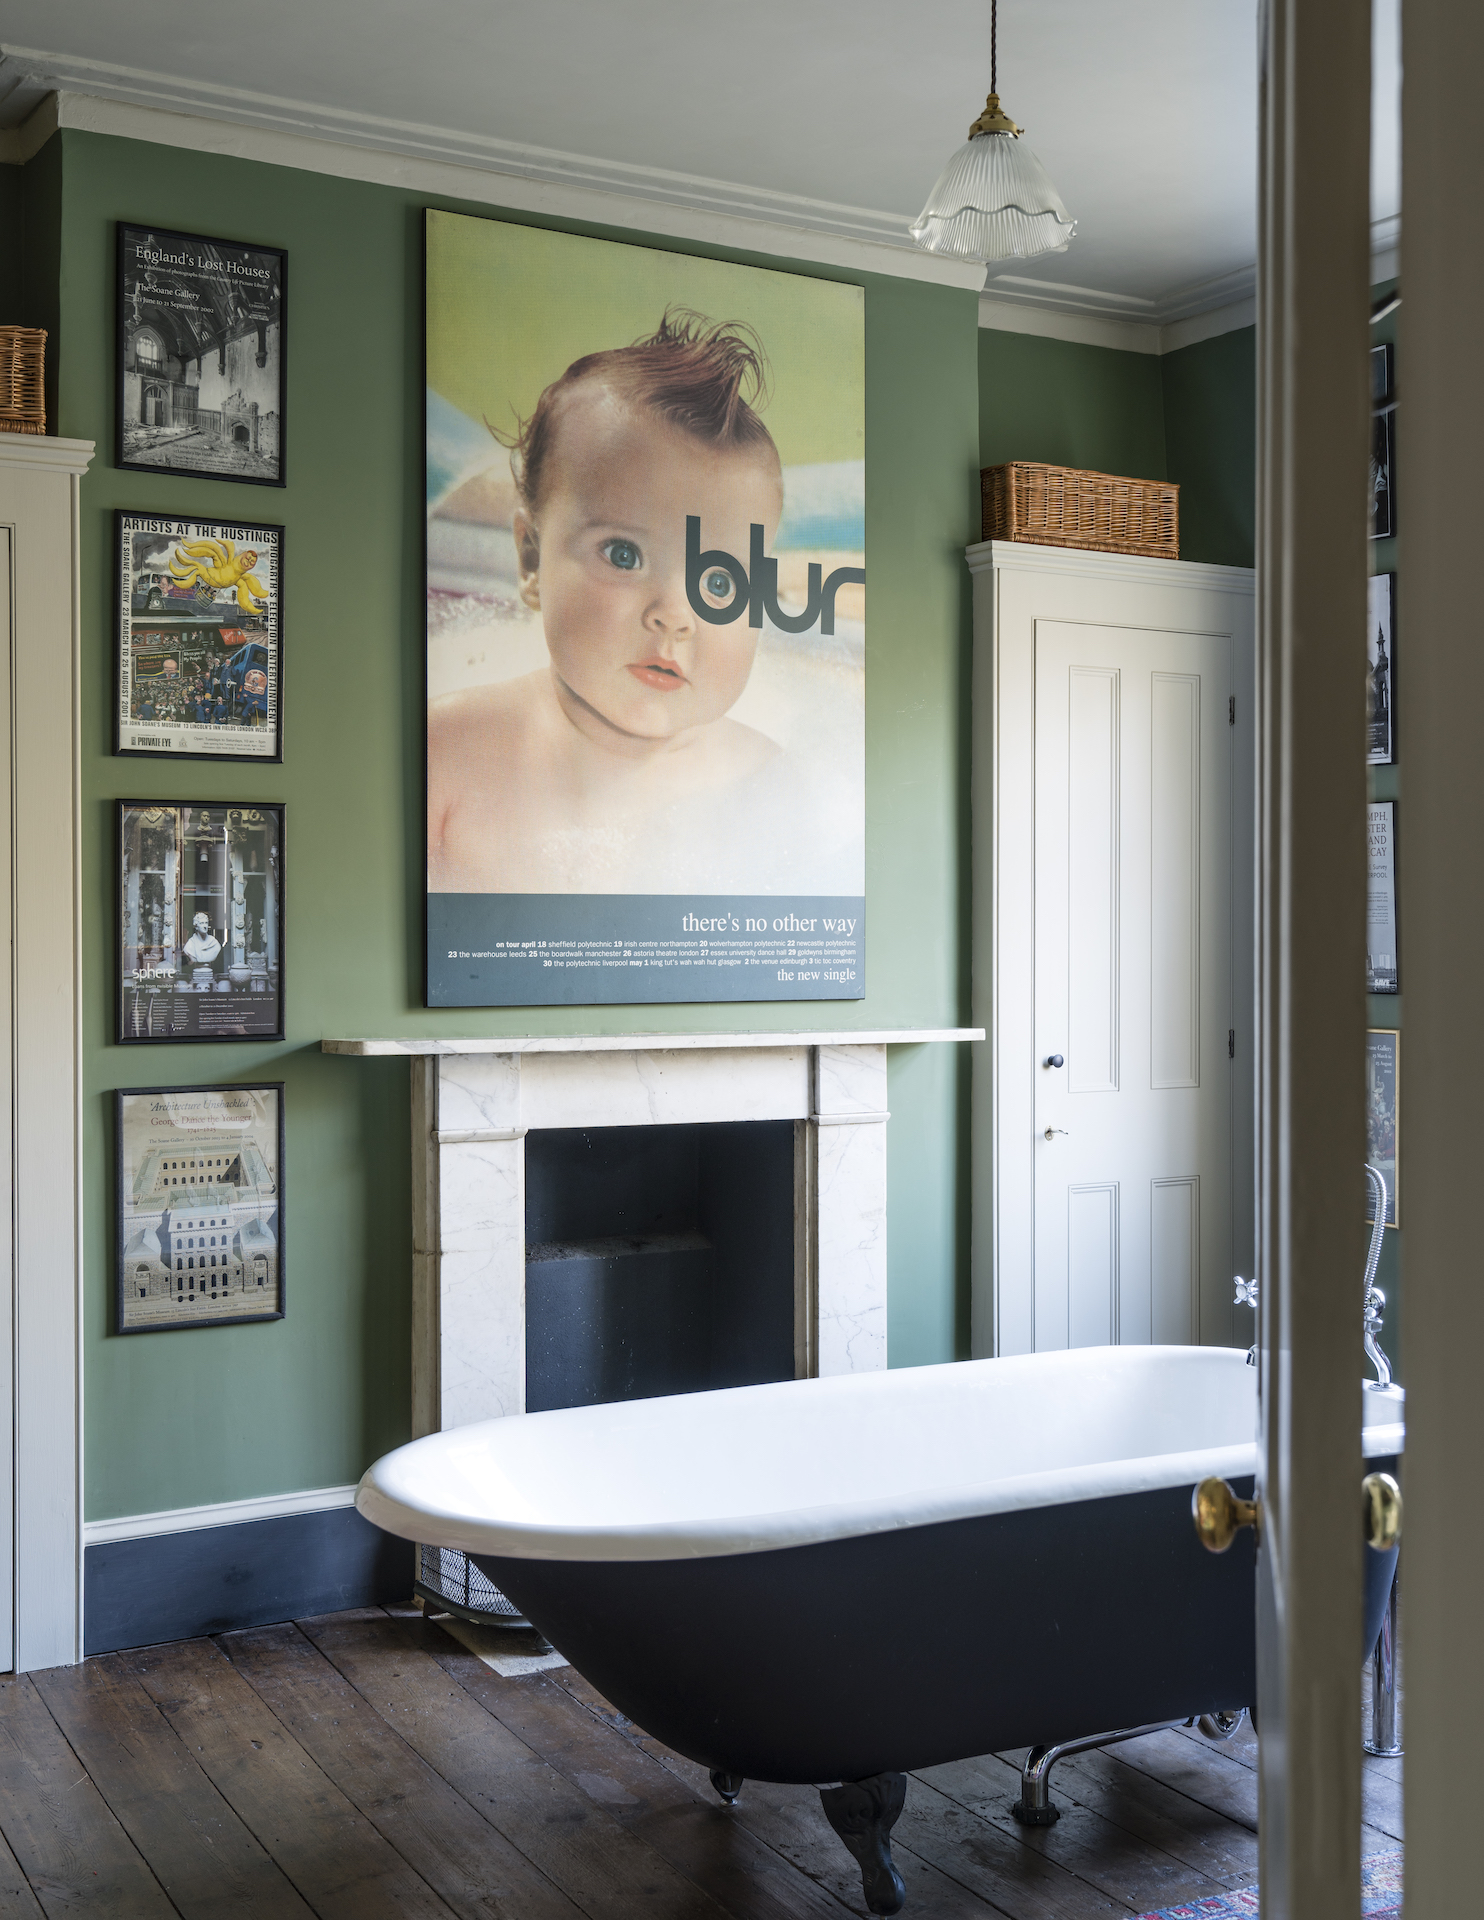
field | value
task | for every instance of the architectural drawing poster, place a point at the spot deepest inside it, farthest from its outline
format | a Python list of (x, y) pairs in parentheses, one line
[(646, 625)]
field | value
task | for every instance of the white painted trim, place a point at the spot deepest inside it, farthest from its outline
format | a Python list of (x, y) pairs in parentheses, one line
[(1013, 585), (1084, 329), (39, 501), (653, 1042), (567, 186), (221, 1513), (1021, 556), (1206, 326)]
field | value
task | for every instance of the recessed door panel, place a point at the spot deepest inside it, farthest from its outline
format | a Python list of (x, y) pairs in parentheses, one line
[(1132, 983)]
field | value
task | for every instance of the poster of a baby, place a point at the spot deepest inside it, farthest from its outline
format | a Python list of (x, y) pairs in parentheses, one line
[(645, 625)]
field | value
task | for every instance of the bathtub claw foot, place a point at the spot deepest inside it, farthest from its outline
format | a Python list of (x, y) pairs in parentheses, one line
[(863, 1813), (728, 1785)]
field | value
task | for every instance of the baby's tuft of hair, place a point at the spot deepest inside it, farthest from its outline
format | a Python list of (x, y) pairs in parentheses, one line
[(709, 378)]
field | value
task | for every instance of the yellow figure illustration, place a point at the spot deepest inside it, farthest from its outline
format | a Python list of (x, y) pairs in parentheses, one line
[(212, 563)]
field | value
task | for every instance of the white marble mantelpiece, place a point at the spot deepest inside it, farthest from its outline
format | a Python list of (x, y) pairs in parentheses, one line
[(475, 1100), (646, 1042)]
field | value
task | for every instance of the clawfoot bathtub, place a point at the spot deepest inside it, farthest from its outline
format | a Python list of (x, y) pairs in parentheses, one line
[(837, 1581)]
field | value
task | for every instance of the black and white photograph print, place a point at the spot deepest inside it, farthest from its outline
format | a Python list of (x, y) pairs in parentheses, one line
[(200, 930), (200, 356), (1380, 683), (1381, 974), (1383, 473), (198, 622), (1382, 1046), (199, 1174), (1381, 374)]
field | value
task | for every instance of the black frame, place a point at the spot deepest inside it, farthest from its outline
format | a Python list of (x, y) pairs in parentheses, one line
[(280, 254), (1383, 440), (122, 619), (1393, 1194), (1384, 991), (1383, 373), (123, 1039), (120, 1095), (1390, 579)]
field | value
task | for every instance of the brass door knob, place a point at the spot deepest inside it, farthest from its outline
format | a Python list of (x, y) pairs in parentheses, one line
[(1383, 1511), (1219, 1515)]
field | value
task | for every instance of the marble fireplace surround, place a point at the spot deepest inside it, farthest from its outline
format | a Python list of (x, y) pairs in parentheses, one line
[(474, 1101)]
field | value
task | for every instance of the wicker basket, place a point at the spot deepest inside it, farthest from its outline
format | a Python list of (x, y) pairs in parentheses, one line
[(22, 355), (1065, 507)]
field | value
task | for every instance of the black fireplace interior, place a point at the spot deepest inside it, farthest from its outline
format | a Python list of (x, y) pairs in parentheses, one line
[(658, 1260)]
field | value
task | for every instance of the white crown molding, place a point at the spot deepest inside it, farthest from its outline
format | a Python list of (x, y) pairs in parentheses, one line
[(45, 452), (97, 97), (1024, 556), (223, 1513)]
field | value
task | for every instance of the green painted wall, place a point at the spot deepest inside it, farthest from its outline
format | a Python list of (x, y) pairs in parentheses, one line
[(180, 1419), (1187, 416), (1072, 405), (1210, 395)]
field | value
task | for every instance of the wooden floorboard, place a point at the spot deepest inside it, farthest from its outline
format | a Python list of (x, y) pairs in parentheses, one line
[(366, 1766), (1104, 1855), (791, 1823), (691, 1829), (200, 1852), (612, 1874), (477, 1872), (333, 1855), (76, 1857)]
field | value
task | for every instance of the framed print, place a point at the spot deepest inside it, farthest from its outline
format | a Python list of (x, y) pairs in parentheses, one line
[(1383, 473), (1381, 374), (199, 1173), (1380, 647), (1381, 975), (646, 637), (198, 619), (200, 356), (1382, 1047), (200, 927)]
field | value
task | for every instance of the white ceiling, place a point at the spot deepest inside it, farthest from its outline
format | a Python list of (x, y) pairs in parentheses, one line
[(817, 113)]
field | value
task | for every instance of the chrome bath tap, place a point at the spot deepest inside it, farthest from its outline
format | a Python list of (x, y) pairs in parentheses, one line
[(1375, 1300), (1374, 1306)]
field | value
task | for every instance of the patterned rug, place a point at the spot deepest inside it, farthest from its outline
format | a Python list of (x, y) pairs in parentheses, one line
[(1380, 1896)]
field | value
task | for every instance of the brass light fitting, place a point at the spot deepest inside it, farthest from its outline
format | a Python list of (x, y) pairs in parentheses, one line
[(994, 119)]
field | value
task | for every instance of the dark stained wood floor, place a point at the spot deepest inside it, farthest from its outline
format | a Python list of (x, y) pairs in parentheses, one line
[(364, 1765)]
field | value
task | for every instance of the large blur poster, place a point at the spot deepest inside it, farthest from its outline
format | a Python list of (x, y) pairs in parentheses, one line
[(646, 625)]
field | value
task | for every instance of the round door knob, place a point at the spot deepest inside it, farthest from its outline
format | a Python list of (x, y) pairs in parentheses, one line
[(1219, 1514), (1055, 1060), (1383, 1511)]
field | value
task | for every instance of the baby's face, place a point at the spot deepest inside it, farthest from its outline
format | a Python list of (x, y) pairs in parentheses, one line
[(604, 560)]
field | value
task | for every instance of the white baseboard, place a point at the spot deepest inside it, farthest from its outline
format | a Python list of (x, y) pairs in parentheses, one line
[(224, 1513)]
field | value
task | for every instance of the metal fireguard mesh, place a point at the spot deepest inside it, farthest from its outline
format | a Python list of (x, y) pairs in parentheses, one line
[(451, 1580)]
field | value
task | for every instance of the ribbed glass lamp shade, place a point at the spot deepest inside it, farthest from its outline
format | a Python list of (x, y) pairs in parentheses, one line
[(993, 202)]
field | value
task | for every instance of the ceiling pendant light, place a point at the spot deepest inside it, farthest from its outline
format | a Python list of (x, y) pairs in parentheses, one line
[(993, 200)]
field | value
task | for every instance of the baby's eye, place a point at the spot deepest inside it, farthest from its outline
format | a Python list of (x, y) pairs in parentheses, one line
[(718, 584), (623, 554)]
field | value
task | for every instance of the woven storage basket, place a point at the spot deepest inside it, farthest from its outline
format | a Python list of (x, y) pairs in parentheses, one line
[(22, 353), (1065, 507)]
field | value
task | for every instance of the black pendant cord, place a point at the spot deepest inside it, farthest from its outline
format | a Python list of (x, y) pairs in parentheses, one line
[(994, 46)]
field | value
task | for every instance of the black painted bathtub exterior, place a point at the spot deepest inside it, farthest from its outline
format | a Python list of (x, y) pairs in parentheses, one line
[(897, 1650)]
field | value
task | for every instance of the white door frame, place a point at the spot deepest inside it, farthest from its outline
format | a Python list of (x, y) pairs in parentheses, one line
[(39, 508), (1014, 584)]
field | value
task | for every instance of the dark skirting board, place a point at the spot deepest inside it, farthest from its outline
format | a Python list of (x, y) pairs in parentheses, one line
[(175, 1586)]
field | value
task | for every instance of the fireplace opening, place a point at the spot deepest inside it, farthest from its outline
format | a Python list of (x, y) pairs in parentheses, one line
[(658, 1260)]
